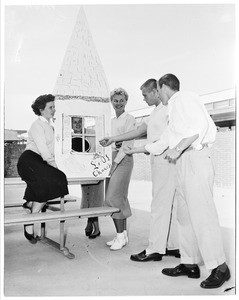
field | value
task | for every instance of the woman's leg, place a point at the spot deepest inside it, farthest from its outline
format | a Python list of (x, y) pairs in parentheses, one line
[(29, 229), (92, 196), (96, 232), (89, 227), (119, 225), (121, 240), (96, 225)]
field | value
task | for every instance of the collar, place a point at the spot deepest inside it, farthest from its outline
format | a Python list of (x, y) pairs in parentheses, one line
[(174, 96), (159, 106), (123, 115), (45, 120)]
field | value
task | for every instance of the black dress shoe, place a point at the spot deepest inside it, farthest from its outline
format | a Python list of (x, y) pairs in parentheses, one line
[(142, 256), (181, 270), (30, 237), (174, 253), (89, 228), (216, 279), (94, 235)]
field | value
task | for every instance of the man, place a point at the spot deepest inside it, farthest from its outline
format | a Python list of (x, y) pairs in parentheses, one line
[(162, 241), (190, 135)]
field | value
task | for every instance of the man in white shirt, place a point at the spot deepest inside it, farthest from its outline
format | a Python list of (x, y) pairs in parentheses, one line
[(189, 137), (163, 237)]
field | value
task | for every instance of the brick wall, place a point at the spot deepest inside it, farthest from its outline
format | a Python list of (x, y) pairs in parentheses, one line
[(223, 157)]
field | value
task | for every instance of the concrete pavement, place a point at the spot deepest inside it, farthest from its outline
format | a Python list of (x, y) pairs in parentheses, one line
[(38, 270)]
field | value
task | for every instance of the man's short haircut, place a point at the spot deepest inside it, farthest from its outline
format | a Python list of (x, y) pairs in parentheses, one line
[(150, 84), (171, 81)]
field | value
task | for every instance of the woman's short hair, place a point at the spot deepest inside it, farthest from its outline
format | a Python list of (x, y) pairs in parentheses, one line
[(119, 91), (40, 103)]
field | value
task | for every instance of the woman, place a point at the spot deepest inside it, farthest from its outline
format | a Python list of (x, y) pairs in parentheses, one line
[(91, 194), (37, 166), (122, 166)]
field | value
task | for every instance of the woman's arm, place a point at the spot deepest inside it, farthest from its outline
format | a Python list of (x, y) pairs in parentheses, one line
[(127, 136)]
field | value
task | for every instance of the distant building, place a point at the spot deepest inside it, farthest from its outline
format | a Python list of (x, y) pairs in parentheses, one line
[(11, 136)]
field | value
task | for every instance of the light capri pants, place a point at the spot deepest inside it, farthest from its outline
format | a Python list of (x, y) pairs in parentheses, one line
[(117, 190)]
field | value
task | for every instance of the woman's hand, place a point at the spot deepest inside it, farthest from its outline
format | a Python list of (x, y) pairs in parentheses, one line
[(106, 141)]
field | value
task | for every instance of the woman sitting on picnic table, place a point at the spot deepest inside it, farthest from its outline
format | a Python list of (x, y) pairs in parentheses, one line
[(37, 166)]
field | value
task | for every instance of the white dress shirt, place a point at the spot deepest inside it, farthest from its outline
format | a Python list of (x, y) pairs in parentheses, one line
[(187, 117), (121, 125), (157, 123), (41, 139)]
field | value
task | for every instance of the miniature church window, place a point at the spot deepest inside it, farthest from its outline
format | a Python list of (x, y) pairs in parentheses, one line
[(83, 134)]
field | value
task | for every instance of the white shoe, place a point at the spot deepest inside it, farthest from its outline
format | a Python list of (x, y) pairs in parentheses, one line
[(119, 243), (110, 243)]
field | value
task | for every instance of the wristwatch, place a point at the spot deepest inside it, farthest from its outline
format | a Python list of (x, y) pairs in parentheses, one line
[(178, 149)]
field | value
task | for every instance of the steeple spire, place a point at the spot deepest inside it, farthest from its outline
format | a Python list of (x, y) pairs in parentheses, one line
[(81, 74)]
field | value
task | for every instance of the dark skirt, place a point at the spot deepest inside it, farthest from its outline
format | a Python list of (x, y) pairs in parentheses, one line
[(44, 182)]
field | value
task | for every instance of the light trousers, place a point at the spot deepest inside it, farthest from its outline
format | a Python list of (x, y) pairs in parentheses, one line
[(199, 229), (163, 224)]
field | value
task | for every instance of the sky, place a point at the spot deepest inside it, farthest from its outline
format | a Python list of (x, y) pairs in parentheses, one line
[(135, 42)]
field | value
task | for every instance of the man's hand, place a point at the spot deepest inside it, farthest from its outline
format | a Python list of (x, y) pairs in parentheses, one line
[(128, 150), (106, 141), (171, 155)]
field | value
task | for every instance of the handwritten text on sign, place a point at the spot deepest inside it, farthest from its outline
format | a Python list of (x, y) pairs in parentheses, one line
[(101, 163)]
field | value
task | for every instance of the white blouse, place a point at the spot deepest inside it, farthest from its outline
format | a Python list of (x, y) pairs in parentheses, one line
[(121, 125), (41, 139)]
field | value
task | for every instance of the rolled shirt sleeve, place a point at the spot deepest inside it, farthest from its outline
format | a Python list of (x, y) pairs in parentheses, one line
[(159, 146)]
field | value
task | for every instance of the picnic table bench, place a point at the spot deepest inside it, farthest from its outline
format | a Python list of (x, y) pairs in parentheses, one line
[(55, 210)]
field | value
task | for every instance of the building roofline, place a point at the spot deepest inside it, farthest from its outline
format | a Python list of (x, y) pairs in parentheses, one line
[(206, 98)]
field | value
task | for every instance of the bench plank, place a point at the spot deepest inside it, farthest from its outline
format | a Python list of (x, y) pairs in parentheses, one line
[(74, 180), (67, 199), (15, 219)]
